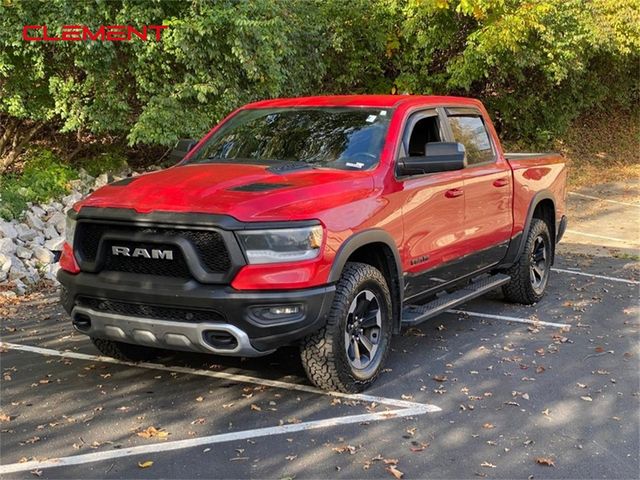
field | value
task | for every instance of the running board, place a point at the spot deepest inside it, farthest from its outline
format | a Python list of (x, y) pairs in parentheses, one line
[(415, 314)]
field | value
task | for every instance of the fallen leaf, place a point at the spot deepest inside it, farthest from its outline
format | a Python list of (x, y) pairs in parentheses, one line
[(291, 457), (390, 461), (487, 464), (346, 448), (488, 425), (199, 399), (599, 349), (440, 378), (4, 417), (586, 398), (36, 472), (145, 464), (581, 385), (549, 462), (394, 471), (152, 432), (540, 369), (255, 408)]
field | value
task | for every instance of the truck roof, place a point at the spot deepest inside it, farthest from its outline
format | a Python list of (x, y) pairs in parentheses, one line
[(376, 101)]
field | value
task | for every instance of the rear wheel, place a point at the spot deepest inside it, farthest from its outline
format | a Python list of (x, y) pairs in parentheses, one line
[(348, 353), (530, 274), (126, 351)]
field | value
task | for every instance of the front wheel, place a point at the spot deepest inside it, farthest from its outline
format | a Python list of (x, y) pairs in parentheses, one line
[(348, 353), (530, 274)]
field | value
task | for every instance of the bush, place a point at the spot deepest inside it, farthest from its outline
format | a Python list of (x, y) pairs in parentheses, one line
[(105, 162), (44, 177)]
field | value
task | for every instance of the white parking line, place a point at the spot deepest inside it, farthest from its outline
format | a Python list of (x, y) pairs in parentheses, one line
[(408, 409), (603, 237), (209, 440), (510, 319), (223, 375), (591, 197), (604, 277)]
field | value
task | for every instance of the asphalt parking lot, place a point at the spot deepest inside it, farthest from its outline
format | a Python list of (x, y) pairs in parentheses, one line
[(494, 390)]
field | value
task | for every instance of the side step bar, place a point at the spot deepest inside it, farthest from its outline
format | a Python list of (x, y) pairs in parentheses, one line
[(415, 314)]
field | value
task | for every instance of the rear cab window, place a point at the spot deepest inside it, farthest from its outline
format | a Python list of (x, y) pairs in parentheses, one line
[(468, 128)]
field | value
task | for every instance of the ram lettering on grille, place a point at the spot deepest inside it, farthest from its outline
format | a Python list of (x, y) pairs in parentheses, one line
[(142, 252)]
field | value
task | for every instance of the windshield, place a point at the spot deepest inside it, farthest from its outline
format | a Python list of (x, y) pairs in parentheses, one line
[(346, 138)]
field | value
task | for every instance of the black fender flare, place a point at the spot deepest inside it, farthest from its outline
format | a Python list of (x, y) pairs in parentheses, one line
[(516, 246), (362, 239)]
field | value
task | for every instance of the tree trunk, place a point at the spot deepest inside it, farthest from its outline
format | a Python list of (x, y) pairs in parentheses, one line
[(18, 144), (9, 129)]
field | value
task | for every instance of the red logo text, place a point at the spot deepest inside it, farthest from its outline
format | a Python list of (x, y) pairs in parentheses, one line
[(105, 33)]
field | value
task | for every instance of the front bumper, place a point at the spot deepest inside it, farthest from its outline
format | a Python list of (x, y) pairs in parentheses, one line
[(186, 315)]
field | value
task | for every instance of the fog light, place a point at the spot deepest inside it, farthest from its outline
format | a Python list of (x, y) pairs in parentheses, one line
[(285, 310), (266, 313)]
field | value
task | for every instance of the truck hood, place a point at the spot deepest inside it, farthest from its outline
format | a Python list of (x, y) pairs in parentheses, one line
[(246, 192)]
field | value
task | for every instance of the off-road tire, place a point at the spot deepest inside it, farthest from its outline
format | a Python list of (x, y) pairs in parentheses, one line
[(520, 289), (323, 353), (126, 351)]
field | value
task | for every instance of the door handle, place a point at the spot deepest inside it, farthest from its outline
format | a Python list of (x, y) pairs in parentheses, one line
[(501, 182), (453, 193)]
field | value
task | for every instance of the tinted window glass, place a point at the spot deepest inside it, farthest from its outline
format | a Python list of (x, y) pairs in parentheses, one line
[(347, 138), (471, 132)]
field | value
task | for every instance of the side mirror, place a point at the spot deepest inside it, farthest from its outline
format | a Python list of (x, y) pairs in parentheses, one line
[(439, 157), (183, 146)]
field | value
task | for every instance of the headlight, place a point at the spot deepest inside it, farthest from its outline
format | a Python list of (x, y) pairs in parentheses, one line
[(69, 230), (281, 245)]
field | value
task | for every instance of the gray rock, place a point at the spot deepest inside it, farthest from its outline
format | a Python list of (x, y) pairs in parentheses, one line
[(8, 294), (58, 221), (50, 232), (54, 243), (38, 211), (17, 270), (39, 240), (51, 272), (34, 221), (72, 198), (25, 233), (101, 181), (3, 277), (23, 252), (19, 287), (7, 246), (5, 263), (7, 230), (42, 255), (32, 276)]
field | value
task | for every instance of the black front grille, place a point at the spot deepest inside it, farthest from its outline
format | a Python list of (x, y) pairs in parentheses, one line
[(208, 244), (144, 310), (167, 268)]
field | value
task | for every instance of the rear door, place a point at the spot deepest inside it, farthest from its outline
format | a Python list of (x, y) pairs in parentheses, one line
[(488, 187)]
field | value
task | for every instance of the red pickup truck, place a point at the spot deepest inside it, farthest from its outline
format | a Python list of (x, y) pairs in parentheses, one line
[(327, 222)]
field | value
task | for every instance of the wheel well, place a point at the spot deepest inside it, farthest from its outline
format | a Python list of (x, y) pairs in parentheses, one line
[(546, 211), (380, 256)]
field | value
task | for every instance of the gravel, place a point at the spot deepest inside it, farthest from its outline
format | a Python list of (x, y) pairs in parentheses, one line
[(29, 244)]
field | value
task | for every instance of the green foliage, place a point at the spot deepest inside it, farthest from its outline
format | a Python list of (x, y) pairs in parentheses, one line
[(44, 176), (105, 162), (536, 63)]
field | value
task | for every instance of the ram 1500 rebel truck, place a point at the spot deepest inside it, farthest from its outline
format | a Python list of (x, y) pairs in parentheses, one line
[(327, 222)]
